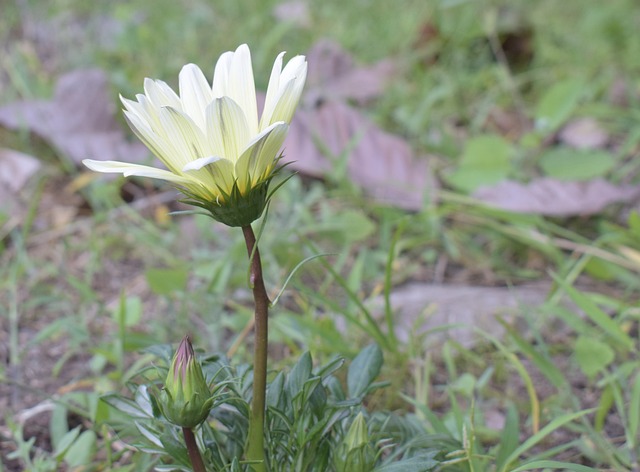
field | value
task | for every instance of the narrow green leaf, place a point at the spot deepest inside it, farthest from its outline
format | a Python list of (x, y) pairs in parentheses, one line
[(599, 317), (291, 274), (124, 405), (275, 391), (299, 375), (540, 435), (604, 406), (558, 104), (509, 438), (634, 409), (82, 450), (363, 370), (537, 465), (550, 371), (58, 426), (65, 442), (424, 463)]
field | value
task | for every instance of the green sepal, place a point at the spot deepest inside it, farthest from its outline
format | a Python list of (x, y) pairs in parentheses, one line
[(235, 209)]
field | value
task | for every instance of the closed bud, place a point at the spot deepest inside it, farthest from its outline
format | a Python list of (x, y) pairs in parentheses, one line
[(185, 399), (355, 454)]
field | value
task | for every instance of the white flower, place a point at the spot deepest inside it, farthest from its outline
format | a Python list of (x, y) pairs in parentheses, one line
[(210, 137)]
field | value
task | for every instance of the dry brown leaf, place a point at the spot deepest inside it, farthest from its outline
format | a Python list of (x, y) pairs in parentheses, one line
[(381, 163), (551, 197), (327, 129), (334, 76), (16, 168), (584, 133), (422, 307), (510, 123), (79, 121)]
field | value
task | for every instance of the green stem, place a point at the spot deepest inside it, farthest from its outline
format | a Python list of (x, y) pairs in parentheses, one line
[(193, 451), (255, 447)]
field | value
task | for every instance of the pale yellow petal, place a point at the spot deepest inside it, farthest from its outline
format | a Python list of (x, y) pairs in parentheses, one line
[(287, 97), (223, 174), (221, 75), (186, 138), (161, 95), (156, 144), (143, 109), (295, 68), (272, 92), (287, 102), (128, 170), (258, 159), (227, 129), (195, 93), (200, 163), (241, 86)]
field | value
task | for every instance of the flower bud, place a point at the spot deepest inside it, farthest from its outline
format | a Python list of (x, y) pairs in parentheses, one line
[(355, 454), (185, 399)]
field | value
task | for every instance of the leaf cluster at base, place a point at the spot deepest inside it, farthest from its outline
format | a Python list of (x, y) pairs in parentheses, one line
[(311, 422)]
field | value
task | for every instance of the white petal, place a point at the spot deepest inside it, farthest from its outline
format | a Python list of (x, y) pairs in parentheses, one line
[(128, 169), (223, 175), (260, 136), (296, 67), (241, 86), (258, 159), (200, 163), (136, 108), (186, 138), (288, 99), (221, 75), (143, 109), (227, 128), (156, 144), (161, 95), (195, 93), (272, 92)]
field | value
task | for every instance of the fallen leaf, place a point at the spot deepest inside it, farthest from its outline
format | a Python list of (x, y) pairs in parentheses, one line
[(334, 76), (510, 123), (16, 169), (551, 197), (419, 308), (79, 121), (584, 133), (381, 163)]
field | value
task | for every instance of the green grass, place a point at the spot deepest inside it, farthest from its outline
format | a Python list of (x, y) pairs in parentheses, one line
[(563, 379)]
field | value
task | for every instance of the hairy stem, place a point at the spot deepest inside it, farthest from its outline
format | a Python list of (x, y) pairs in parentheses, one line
[(255, 448), (193, 451)]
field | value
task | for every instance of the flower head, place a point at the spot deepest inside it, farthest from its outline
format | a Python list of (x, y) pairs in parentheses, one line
[(186, 398), (214, 146)]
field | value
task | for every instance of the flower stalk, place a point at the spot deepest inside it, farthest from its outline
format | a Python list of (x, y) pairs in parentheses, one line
[(192, 449), (255, 447)]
